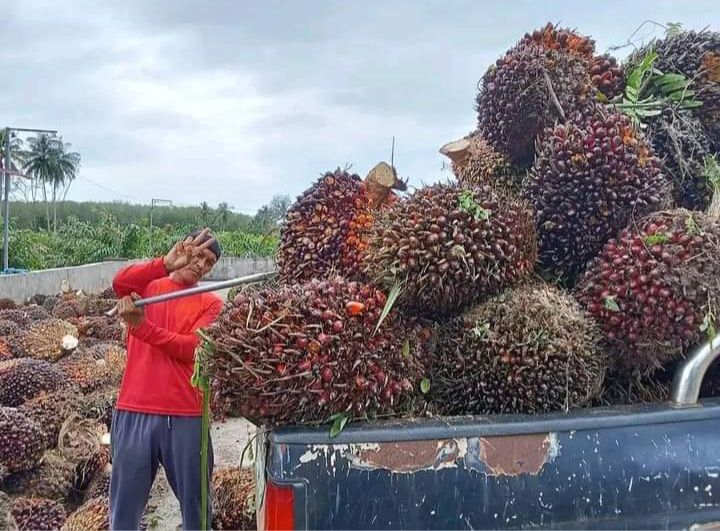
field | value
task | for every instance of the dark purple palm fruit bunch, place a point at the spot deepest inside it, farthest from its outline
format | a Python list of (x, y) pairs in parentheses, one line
[(550, 74), (303, 352), (653, 289), (447, 246), (590, 177), (531, 349), (682, 142), (325, 231), (37, 514), (696, 55)]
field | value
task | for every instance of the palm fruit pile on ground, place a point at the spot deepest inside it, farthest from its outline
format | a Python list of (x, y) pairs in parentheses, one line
[(59, 378), (233, 498)]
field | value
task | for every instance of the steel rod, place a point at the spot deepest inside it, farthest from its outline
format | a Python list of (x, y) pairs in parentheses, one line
[(199, 289)]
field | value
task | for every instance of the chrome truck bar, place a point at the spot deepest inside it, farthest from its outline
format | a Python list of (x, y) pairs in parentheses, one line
[(200, 289), (689, 376)]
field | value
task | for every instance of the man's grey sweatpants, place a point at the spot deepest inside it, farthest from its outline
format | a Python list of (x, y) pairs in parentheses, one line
[(139, 443)]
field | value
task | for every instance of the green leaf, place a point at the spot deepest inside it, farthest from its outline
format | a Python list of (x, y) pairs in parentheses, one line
[(611, 304), (666, 79), (656, 239), (691, 104), (406, 348), (338, 425), (648, 112), (392, 297), (707, 320), (481, 330), (425, 386), (467, 202)]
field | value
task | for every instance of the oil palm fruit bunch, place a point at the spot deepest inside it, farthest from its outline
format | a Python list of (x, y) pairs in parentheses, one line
[(304, 352), (100, 327), (7, 304), (448, 245), (37, 514), (93, 515), (683, 144), (24, 378), (17, 316), (325, 231), (653, 289), (547, 76), (85, 372), (531, 349), (590, 176), (606, 74), (99, 487), (70, 309), (53, 478), (20, 442), (7, 521), (49, 409), (45, 340), (234, 498), (99, 404), (696, 55), (476, 162)]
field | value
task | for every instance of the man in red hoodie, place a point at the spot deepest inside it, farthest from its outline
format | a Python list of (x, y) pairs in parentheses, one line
[(158, 412)]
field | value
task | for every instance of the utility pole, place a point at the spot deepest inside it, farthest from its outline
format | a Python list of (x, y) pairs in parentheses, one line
[(154, 202), (6, 168)]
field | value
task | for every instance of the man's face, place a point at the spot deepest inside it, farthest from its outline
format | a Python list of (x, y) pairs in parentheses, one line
[(200, 265)]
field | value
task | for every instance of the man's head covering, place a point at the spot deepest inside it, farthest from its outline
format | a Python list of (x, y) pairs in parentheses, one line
[(214, 247)]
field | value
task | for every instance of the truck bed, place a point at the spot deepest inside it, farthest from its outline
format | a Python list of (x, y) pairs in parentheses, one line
[(640, 467)]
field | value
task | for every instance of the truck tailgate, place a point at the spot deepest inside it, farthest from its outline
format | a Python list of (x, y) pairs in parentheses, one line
[(653, 467)]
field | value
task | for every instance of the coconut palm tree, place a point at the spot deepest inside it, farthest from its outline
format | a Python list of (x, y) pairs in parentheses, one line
[(16, 153), (51, 164)]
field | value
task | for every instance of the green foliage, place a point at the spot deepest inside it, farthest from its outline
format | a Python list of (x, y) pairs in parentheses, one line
[(649, 90), (79, 242)]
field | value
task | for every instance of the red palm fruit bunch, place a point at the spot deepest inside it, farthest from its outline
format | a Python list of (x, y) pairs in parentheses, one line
[(589, 178), (325, 231), (448, 245), (653, 288), (303, 352), (531, 349), (550, 74)]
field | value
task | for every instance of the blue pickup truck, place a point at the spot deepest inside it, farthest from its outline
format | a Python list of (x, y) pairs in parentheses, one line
[(634, 467)]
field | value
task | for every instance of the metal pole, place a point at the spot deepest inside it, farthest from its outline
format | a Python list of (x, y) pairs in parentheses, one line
[(6, 218), (199, 289), (689, 376), (150, 245)]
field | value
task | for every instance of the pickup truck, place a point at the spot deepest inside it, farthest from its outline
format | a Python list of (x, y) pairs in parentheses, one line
[(636, 467)]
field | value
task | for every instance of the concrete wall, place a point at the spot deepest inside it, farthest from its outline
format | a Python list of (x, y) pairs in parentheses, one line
[(96, 277), (89, 278), (231, 267)]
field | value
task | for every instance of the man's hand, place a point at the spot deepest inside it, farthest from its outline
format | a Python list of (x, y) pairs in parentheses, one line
[(183, 252), (128, 312)]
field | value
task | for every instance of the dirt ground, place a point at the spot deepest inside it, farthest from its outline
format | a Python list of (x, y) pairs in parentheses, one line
[(228, 438)]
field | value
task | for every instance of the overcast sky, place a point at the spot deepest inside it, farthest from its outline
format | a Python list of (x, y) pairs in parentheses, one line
[(239, 100)]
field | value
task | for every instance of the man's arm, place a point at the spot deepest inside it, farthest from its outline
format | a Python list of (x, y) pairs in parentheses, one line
[(178, 346), (135, 278)]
